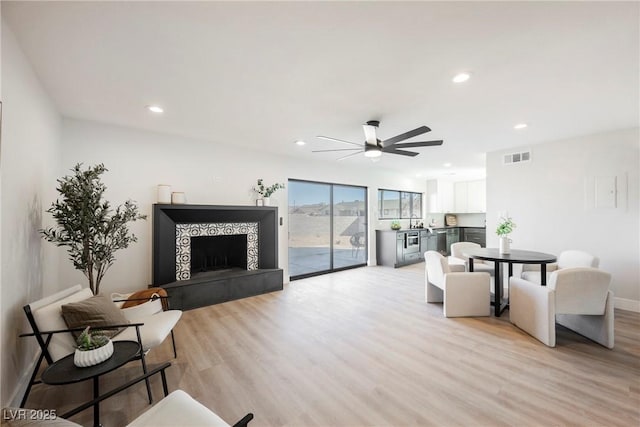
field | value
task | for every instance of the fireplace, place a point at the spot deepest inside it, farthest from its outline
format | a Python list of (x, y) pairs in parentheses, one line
[(205, 254)]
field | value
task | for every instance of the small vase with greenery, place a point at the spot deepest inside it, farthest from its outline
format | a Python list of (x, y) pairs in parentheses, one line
[(87, 224), (395, 225), (265, 192), (505, 227), (93, 347)]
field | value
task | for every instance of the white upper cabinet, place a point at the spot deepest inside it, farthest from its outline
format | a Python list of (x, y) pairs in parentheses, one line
[(471, 196), (440, 196)]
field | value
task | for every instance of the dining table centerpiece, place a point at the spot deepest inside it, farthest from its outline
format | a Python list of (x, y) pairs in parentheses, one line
[(505, 227)]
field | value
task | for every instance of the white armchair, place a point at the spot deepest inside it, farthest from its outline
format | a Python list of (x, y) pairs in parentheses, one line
[(462, 294), (147, 321), (577, 298), (457, 257), (566, 259)]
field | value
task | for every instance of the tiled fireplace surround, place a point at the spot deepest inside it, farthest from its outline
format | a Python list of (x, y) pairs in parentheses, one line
[(175, 225)]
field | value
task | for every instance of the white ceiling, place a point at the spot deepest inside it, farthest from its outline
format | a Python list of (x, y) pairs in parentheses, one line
[(266, 74)]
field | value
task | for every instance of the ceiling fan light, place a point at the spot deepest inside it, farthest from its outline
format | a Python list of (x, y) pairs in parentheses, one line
[(373, 152)]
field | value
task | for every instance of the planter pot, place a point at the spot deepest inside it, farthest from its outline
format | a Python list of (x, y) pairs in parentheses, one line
[(82, 359), (505, 245), (266, 201)]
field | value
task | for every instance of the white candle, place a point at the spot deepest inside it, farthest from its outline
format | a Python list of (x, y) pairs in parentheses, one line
[(164, 193)]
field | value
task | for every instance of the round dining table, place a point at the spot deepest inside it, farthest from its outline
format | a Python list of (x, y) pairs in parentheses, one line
[(515, 256)]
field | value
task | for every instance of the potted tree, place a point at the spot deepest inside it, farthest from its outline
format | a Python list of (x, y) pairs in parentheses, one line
[(87, 225), (93, 347)]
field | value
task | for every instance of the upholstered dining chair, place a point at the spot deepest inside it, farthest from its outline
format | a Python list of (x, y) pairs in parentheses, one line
[(577, 298), (462, 294), (457, 257), (566, 259)]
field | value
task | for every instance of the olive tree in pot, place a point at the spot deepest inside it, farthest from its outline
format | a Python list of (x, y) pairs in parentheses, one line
[(87, 225)]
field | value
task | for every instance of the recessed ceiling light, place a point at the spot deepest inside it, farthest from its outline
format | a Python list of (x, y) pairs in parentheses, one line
[(300, 142), (520, 126), (155, 108), (462, 77), (447, 165)]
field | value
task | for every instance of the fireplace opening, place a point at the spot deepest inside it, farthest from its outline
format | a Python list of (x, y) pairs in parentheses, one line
[(218, 253)]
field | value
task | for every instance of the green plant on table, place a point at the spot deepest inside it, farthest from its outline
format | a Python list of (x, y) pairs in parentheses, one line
[(90, 340), (505, 226), (395, 225)]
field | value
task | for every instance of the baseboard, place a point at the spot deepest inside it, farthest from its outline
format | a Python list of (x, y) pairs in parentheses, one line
[(627, 304), (23, 382)]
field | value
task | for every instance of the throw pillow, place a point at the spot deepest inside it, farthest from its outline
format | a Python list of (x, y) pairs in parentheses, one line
[(97, 312)]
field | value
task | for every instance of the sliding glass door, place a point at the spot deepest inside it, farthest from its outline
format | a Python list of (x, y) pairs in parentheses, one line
[(327, 227)]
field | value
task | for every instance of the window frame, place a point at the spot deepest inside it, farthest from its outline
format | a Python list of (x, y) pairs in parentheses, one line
[(401, 195)]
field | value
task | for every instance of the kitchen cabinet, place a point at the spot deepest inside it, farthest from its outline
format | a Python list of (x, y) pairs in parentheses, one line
[(476, 235), (440, 196), (470, 196), (396, 248), (453, 236)]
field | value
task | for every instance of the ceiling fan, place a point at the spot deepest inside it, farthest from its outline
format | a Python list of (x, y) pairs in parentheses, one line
[(374, 147)]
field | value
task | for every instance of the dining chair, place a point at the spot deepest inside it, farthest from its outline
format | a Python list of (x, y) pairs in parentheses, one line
[(566, 259), (577, 298), (463, 294)]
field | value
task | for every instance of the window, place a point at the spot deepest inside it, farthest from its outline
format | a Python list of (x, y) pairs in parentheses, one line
[(393, 204)]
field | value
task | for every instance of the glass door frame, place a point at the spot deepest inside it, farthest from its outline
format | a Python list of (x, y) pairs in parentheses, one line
[(333, 269)]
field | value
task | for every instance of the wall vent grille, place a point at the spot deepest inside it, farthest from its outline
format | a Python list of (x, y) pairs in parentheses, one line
[(515, 158)]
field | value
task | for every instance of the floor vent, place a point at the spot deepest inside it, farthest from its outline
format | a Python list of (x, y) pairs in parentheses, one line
[(519, 157)]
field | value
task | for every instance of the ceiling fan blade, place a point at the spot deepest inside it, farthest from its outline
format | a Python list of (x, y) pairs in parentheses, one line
[(406, 135), (350, 155), (392, 150), (337, 149), (370, 134), (328, 138), (418, 144)]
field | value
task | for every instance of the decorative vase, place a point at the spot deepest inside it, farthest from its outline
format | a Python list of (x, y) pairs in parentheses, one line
[(164, 194), (505, 245), (259, 202), (83, 359), (177, 198), (266, 201)]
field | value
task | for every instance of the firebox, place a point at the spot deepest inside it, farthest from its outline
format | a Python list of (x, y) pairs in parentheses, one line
[(218, 253)]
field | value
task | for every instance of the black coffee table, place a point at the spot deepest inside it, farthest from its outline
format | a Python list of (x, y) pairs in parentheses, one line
[(516, 256), (64, 371)]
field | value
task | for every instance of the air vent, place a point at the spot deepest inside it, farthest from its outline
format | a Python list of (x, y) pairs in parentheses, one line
[(519, 157)]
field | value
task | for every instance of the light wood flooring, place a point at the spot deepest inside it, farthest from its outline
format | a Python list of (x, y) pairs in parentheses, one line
[(362, 348)]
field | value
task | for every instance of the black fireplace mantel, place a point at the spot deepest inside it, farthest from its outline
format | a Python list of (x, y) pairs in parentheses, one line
[(165, 218)]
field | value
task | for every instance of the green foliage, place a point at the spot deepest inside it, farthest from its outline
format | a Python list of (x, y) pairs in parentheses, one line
[(90, 340), (267, 191), (505, 226), (87, 225), (395, 225)]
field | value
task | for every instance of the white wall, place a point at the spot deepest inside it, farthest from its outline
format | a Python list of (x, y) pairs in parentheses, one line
[(209, 173), (30, 156), (551, 201)]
